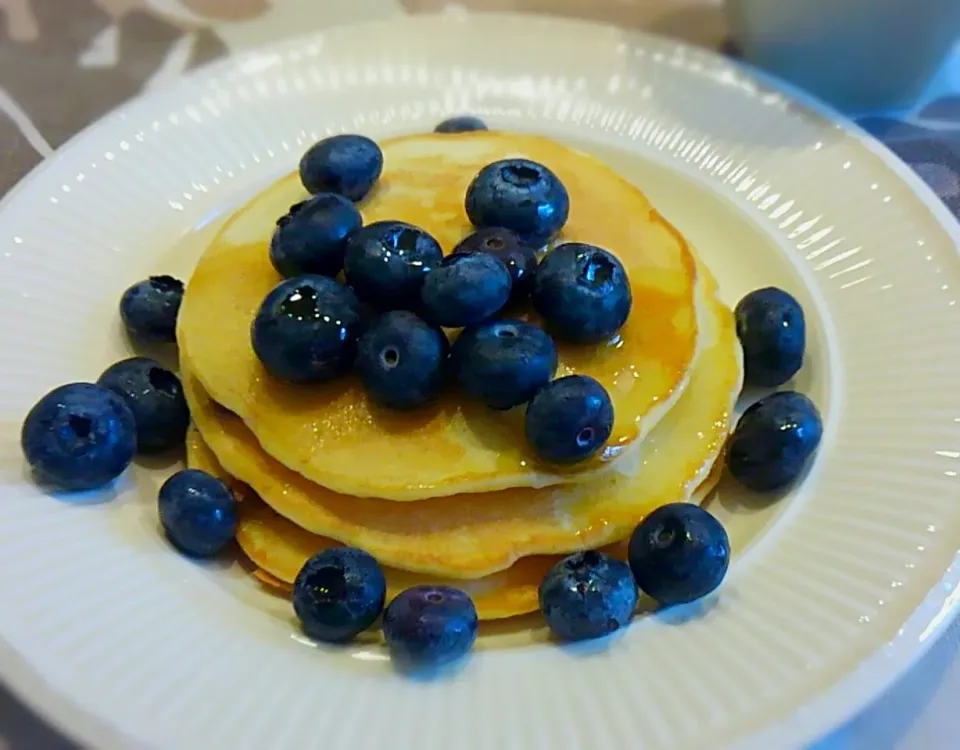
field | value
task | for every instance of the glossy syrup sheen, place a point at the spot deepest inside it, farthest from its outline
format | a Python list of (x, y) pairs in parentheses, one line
[(280, 548), (475, 535), (336, 437)]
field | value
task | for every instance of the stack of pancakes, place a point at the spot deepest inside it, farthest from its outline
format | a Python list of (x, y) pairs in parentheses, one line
[(452, 493)]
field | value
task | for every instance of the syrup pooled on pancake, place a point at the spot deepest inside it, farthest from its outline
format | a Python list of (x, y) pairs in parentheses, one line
[(335, 437)]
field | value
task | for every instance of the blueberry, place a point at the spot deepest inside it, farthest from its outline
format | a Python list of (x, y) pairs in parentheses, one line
[(338, 594), (349, 165), (428, 626), (79, 437), (461, 124), (679, 553), (773, 441), (307, 328), (772, 332), (149, 309), (569, 419), (387, 261), (155, 398), (402, 360), (198, 512), (503, 362), (587, 595), (312, 236), (582, 292), (466, 288), (520, 195), (520, 259)]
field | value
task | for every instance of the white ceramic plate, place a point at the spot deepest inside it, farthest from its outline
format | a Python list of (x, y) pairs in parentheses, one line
[(835, 590)]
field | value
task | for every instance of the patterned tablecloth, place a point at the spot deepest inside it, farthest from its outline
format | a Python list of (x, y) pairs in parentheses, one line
[(65, 63)]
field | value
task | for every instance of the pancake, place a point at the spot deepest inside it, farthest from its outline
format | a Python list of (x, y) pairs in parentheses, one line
[(335, 437), (279, 549), (475, 535), (272, 582), (199, 455)]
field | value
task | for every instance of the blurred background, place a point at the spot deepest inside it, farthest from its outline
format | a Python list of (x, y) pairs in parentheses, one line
[(64, 63)]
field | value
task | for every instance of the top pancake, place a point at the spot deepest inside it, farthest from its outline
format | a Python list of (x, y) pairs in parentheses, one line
[(333, 435), (474, 535)]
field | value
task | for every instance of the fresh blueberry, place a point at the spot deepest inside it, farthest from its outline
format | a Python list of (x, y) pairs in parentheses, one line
[(198, 512), (503, 362), (79, 437), (349, 165), (773, 441), (155, 398), (679, 553), (149, 309), (307, 328), (461, 124), (402, 360), (569, 419), (582, 292), (466, 288), (387, 261), (587, 595), (520, 195), (772, 332), (429, 626), (338, 594), (520, 259), (312, 236)]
